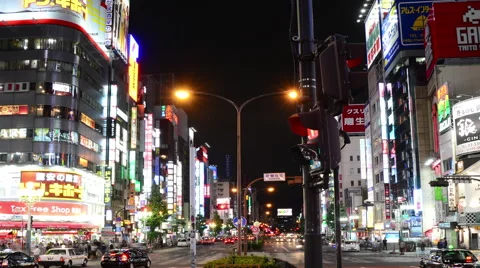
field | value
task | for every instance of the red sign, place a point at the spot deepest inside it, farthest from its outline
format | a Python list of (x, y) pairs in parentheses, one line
[(13, 109), (452, 31), (353, 119), (43, 209), (55, 185)]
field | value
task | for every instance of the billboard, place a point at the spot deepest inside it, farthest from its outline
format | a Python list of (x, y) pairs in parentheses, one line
[(413, 17), (133, 69), (390, 37), (353, 118), (284, 212), (44, 209), (372, 33), (86, 16), (13, 109), (452, 32), (116, 26), (56, 185), (467, 126), (443, 109)]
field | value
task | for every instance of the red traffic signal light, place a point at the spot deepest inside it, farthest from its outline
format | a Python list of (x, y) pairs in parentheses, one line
[(221, 207)]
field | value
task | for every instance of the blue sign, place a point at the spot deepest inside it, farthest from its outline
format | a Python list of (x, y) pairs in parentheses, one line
[(412, 19), (390, 37), (235, 222)]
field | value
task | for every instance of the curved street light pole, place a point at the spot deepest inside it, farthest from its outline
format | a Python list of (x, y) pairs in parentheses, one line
[(239, 109)]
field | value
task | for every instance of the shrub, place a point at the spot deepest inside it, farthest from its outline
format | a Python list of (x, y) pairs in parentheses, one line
[(253, 245), (264, 262)]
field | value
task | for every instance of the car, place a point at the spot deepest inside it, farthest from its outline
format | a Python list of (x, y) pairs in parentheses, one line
[(17, 260), (142, 246), (61, 257), (125, 258), (208, 240), (458, 258), (350, 246), (182, 242), (229, 240)]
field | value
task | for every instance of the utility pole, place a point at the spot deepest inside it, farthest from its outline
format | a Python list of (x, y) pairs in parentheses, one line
[(307, 84)]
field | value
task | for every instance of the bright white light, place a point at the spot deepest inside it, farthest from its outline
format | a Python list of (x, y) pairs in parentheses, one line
[(429, 161), (365, 5), (358, 20), (363, 10)]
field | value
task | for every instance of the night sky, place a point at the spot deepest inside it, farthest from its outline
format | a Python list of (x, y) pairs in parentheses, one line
[(236, 49)]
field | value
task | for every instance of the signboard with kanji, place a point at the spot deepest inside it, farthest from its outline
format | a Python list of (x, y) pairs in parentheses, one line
[(273, 176), (353, 118), (55, 185)]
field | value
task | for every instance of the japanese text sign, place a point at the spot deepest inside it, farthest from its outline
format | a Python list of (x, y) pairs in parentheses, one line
[(56, 185), (353, 118)]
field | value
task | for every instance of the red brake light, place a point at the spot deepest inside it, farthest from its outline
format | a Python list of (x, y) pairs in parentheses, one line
[(62, 259), (124, 258), (5, 263), (468, 259)]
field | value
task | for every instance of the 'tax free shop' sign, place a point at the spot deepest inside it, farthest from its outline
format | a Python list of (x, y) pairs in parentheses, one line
[(44, 209)]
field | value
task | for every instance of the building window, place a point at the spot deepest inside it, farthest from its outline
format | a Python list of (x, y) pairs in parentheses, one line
[(358, 170), (358, 158), (352, 183), (359, 182), (351, 158)]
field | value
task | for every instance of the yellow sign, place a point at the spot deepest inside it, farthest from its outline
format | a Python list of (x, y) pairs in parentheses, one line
[(77, 6), (58, 190)]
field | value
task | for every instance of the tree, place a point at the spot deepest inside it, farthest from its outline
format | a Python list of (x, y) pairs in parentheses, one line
[(178, 225), (159, 213), (201, 224), (218, 223), (331, 215), (229, 225)]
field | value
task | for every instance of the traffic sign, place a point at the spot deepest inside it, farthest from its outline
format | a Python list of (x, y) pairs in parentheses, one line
[(255, 230), (235, 222), (274, 176)]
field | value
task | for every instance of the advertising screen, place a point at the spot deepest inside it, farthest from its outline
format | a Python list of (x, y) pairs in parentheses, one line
[(390, 37), (372, 34), (56, 185), (86, 16), (13, 133), (44, 209), (13, 109), (443, 109), (452, 32), (467, 126), (353, 118), (133, 68), (116, 26), (284, 212)]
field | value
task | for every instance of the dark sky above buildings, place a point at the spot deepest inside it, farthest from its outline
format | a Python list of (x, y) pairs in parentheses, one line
[(236, 49)]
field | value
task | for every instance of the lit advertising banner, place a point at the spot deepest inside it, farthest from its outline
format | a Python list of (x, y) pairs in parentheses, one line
[(385, 6), (167, 112), (148, 161), (368, 153), (179, 189), (372, 33), (284, 212), (444, 111), (390, 37), (133, 129), (466, 116), (13, 133), (413, 16), (452, 32), (89, 144), (56, 185), (353, 119), (170, 187), (13, 109), (116, 26), (388, 214), (383, 124), (44, 209), (363, 160), (108, 186), (132, 162), (86, 16), (133, 69)]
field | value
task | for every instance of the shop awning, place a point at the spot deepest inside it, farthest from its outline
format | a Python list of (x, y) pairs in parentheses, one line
[(471, 170), (48, 225)]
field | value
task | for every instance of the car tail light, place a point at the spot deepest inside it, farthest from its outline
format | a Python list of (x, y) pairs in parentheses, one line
[(62, 259), (468, 259), (124, 258), (5, 263)]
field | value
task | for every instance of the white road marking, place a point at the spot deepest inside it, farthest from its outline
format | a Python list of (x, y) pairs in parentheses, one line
[(285, 249)]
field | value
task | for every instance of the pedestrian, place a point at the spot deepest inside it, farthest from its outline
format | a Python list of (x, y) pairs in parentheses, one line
[(402, 247), (36, 253), (89, 250), (445, 244), (385, 243), (422, 246)]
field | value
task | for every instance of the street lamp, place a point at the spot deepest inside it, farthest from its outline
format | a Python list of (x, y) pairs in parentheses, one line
[(185, 94), (30, 196), (269, 205)]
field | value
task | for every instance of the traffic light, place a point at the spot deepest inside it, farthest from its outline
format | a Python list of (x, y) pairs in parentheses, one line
[(323, 147), (340, 72), (439, 183), (221, 207)]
